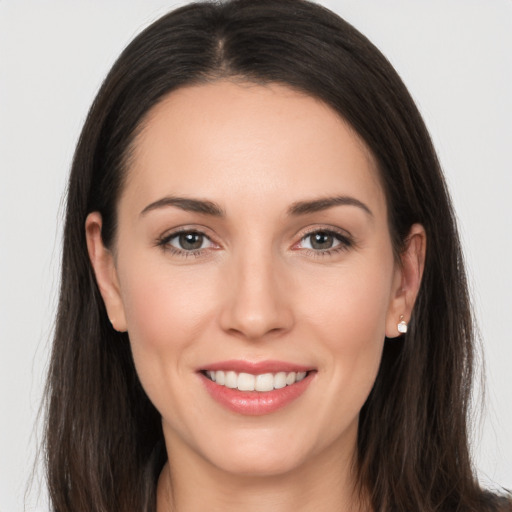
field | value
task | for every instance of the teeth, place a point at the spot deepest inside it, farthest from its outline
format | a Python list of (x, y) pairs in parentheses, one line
[(280, 380), (246, 382), (231, 380), (290, 378), (264, 382), (249, 382), (220, 378)]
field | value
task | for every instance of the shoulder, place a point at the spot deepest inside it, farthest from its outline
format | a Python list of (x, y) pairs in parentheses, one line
[(500, 502)]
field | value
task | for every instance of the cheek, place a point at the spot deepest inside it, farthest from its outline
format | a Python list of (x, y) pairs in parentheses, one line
[(348, 321), (162, 305), (353, 305), (348, 315), (165, 314)]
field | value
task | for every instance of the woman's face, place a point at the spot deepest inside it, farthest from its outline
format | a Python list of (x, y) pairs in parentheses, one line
[(252, 246)]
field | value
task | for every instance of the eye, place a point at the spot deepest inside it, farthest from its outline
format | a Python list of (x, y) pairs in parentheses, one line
[(189, 241), (186, 242), (320, 241), (324, 241)]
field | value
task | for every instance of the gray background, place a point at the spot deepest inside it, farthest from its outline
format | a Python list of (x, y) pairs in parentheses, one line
[(454, 55)]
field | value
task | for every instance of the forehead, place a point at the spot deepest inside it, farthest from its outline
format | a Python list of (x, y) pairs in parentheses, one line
[(230, 141)]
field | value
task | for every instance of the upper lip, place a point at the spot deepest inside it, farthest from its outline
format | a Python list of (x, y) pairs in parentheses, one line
[(256, 368)]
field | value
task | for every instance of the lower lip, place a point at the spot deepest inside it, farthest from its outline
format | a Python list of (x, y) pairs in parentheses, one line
[(256, 403)]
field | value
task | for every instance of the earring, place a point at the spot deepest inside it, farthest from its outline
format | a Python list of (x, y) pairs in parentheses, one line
[(402, 325)]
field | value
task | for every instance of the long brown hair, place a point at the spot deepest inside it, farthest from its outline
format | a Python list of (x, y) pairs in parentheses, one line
[(104, 442)]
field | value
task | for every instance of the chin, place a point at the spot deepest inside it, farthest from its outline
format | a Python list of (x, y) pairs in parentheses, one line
[(265, 465), (260, 456)]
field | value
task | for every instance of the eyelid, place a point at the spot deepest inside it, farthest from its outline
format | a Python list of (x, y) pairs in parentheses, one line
[(163, 240), (345, 239), (333, 230)]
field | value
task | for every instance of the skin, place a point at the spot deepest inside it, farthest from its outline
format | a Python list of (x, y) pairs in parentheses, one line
[(257, 290)]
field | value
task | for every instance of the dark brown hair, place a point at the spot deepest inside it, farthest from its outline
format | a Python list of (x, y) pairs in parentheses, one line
[(104, 442)]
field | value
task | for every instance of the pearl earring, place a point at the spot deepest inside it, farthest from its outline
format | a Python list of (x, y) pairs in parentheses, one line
[(402, 325)]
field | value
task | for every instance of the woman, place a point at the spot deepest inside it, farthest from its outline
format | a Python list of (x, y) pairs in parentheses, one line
[(262, 293)]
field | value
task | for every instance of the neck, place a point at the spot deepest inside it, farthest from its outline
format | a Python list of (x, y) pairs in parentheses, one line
[(326, 483)]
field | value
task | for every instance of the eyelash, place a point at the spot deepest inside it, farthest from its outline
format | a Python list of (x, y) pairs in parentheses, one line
[(164, 243), (345, 243)]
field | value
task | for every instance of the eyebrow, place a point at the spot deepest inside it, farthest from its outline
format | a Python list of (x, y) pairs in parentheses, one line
[(317, 205), (298, 208), (187, 204)]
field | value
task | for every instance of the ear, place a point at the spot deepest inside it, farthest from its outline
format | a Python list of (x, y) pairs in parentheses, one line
[(103, 263), (407, 280)]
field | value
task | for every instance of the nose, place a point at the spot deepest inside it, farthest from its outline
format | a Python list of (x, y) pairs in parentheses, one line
[(257, 300)]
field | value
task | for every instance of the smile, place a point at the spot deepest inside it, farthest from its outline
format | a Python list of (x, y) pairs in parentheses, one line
[(256, 389), (264, 382)]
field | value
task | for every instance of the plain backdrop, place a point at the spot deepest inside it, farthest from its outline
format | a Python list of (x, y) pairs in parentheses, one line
[(454, 55)]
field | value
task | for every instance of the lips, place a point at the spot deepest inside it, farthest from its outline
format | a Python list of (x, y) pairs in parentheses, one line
[(255, 388)]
